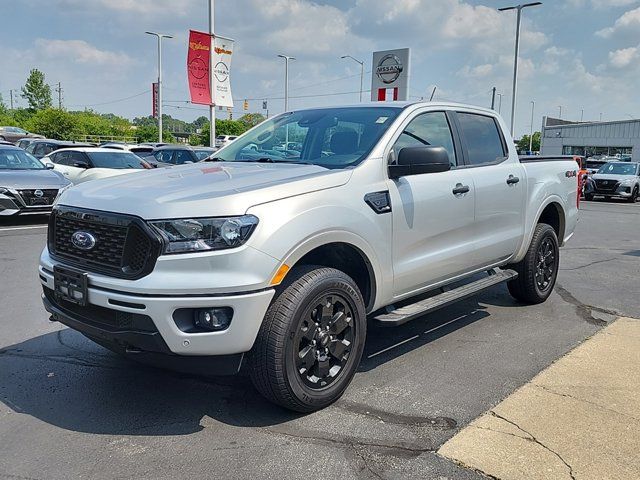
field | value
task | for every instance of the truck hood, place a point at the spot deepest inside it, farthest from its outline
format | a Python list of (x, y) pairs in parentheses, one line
[(201, 189), (20, 179)]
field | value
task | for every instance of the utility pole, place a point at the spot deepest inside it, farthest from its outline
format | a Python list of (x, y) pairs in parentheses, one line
[(560, 112), (581, 115), (361, 72), (59, 91), (515, 62), (160, 36), (533, 104), (212, 77), (493, 98), (11, 97)]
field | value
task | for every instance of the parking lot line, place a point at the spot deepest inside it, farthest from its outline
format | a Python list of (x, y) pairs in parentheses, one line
[(30, 227)]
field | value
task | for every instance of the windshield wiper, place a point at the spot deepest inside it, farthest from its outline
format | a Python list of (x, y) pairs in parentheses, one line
[(273, 160)]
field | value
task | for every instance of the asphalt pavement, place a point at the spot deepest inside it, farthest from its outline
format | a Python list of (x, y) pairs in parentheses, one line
[(70, 409)]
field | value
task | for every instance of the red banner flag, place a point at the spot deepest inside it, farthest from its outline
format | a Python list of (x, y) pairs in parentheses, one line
[(198, 67), (154, 96)]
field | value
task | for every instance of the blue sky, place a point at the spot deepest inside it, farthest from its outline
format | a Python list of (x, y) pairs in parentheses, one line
[(581, 54)]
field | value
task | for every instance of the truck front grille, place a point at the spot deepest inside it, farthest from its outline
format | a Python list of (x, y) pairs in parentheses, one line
[(124, 246)]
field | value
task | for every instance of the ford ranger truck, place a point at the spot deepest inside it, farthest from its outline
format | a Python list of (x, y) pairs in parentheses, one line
[(276, 260)]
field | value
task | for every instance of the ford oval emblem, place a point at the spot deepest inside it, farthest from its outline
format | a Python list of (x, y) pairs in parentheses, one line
[(83, 240)]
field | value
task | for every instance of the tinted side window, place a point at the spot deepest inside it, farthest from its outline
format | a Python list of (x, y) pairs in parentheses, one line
[(61, 158), (482, 137), (30, 148), (428, 129), (75, 157)]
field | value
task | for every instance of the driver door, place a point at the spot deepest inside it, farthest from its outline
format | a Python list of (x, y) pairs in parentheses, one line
[(432, 224)]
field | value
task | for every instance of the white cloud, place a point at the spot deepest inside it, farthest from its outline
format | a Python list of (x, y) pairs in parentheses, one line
[(629, 21), (623, 57), (478, 71), (79, 51)]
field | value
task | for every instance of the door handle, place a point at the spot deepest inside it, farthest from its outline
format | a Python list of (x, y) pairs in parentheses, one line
[(460, 189), (512, 180)]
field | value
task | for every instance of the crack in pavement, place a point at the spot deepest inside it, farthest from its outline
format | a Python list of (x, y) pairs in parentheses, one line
[(587, 265), (532, 438), (549, 390), (441, 423), (583, 310), (401, 449), (365, 462)]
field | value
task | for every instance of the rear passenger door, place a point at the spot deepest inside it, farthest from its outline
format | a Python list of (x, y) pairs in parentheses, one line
[(433, 213), (500, 188)]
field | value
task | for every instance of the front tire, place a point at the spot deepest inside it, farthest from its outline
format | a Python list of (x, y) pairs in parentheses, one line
[(538, 270), (311, 339), (634, 196)]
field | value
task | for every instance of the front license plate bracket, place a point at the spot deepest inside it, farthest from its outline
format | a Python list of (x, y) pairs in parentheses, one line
[(70, 285)]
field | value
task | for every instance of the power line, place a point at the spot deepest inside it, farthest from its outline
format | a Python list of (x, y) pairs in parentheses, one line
[(112, 101)]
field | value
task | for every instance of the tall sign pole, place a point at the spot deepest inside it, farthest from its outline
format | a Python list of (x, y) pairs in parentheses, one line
[(160, 36), (212, 106)]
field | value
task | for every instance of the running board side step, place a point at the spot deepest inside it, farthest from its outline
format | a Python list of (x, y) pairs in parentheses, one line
[(401, 315)]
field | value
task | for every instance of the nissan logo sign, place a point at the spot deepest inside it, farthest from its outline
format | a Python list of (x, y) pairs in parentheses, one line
[(83, 240), (389, 68), (38, 193)]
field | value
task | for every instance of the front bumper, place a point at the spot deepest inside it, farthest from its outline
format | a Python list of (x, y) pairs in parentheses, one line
[(12, 204), (248, 311)]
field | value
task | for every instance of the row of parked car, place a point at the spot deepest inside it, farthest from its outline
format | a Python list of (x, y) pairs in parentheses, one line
[(35, 171), (609, 177)]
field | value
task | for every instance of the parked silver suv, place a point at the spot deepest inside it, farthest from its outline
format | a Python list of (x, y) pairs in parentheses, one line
[(616, 179)]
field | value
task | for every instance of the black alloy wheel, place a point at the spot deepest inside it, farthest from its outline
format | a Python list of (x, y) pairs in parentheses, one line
[(324, 340), (545, 264)]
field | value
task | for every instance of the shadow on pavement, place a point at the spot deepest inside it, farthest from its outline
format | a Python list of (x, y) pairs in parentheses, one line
[(65, 380)]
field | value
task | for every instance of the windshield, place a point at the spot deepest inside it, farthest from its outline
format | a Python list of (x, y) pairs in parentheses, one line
[(19, 160), (115, 159), (328, 137), (204, 153), (618, 168)]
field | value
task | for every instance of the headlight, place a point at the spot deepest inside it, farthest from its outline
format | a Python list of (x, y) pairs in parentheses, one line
[(627, 182), (60, 192), (202, 234)]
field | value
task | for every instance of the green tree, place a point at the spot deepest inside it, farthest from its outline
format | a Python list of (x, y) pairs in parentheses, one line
[(149, 133), (523, 144), (251, 119), (36, 91), (223, 127), (3, 107), (54, 123)]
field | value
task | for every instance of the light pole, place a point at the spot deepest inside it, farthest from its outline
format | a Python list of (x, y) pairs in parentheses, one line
[(581, 115), (361, 72), (286, 95), (499, 102), (517, 52), (560, 112), (160, 36), (212, 77), (533, 104)]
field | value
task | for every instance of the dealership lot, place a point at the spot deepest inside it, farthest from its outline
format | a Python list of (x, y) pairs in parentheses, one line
[(69, 408)]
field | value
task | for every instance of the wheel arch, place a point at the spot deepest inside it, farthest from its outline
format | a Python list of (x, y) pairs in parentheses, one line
[(345, 252)]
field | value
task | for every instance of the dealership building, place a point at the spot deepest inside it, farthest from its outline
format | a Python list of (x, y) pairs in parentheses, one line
[(561, 137)]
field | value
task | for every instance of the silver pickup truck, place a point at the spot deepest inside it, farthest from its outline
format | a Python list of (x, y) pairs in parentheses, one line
[(277, 259)]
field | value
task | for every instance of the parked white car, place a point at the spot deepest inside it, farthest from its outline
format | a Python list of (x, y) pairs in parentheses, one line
[(224, 140), (90, 163), (388, 212)]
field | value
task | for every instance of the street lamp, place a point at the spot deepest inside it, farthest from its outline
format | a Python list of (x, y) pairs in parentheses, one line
[(286, 95), (286, 79), (533, 104), (160, 36), (361, 72), (560, 112), (517, 52)]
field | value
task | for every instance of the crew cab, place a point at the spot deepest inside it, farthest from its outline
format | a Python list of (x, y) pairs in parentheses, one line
[(278, 262)]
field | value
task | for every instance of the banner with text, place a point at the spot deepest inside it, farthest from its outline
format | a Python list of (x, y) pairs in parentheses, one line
[(154, 99), (198, 67), (222, 52)]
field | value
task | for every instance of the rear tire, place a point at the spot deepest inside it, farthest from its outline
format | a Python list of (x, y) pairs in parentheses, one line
[(538, 270), (311, 339)]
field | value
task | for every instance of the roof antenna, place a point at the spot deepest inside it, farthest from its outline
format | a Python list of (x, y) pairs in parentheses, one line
[(433, 93)]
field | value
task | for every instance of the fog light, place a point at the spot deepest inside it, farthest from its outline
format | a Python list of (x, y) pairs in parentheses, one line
[(213, 319)]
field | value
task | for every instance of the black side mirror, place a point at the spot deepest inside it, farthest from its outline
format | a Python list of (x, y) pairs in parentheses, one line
[(81, 165), (418, 160)]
